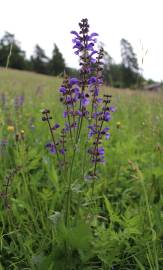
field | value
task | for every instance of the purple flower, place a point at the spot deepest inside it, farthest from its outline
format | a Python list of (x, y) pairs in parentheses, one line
[(65, 113), (79, 113), (92, 53), (112, 108), (107, 116), (78, 45), (62, 151), (92, 80), (99, 100), (74, 33), (92, 131), (96, 91), (104, 130), (101, 151), (107, 136), (77, 52), (96, 114), (55, 126), (89, 47), (74, 125), (85, 101), (93, 61), (93, 35), (73, 81), (69, 100), (19, 100), (67, 127), (63, 90), (51, 147)]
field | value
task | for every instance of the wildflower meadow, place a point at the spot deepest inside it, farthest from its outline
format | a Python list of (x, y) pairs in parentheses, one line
[(81, 169)]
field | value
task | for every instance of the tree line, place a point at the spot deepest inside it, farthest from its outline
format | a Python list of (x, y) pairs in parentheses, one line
[(124, 74)]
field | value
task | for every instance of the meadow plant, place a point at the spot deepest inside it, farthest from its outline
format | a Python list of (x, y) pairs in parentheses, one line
[(3, 100), (84, 108), (65, 209), (19, 100)]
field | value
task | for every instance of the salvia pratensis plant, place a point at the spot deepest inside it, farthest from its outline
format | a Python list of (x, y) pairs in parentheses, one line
[(84, 108)]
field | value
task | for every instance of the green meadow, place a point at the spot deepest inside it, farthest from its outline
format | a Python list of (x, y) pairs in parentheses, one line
[(120, 224)]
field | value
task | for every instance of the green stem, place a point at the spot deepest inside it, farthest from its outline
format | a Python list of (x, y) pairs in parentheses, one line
[(68, 201)]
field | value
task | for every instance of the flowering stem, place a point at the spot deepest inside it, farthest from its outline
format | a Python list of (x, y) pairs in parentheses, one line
[(52, 135)]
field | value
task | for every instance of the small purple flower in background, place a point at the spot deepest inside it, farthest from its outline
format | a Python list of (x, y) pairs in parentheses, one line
[(3, 144), (19, 100), (51, 147), (3, 100), (55, 126)]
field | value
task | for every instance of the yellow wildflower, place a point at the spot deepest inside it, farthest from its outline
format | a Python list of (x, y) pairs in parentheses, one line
[(118, 124), (10, 128)]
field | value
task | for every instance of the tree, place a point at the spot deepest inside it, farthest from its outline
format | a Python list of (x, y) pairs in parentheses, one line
[(57, 63), (130, 68), (39, 61), (11, 54), (129, 59)]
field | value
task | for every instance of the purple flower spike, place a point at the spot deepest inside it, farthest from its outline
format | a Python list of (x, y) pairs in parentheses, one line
[(82, 103)]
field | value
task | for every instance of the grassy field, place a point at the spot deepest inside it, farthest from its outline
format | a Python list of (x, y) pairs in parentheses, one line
[(121, 225)]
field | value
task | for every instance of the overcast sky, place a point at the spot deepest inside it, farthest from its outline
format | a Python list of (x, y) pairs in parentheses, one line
[(49, 21)]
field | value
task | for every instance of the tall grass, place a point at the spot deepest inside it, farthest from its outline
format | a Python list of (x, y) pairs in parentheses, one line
[(123, 228)]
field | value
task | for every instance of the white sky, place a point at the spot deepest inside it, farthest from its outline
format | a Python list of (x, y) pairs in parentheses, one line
[(50, 21)]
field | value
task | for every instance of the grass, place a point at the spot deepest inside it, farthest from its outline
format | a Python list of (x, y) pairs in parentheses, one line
[(123, 229)]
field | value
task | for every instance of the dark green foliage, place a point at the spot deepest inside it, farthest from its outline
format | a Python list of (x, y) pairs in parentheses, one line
[(56, 63), (125, 74), (11, 54), (39, 61)]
